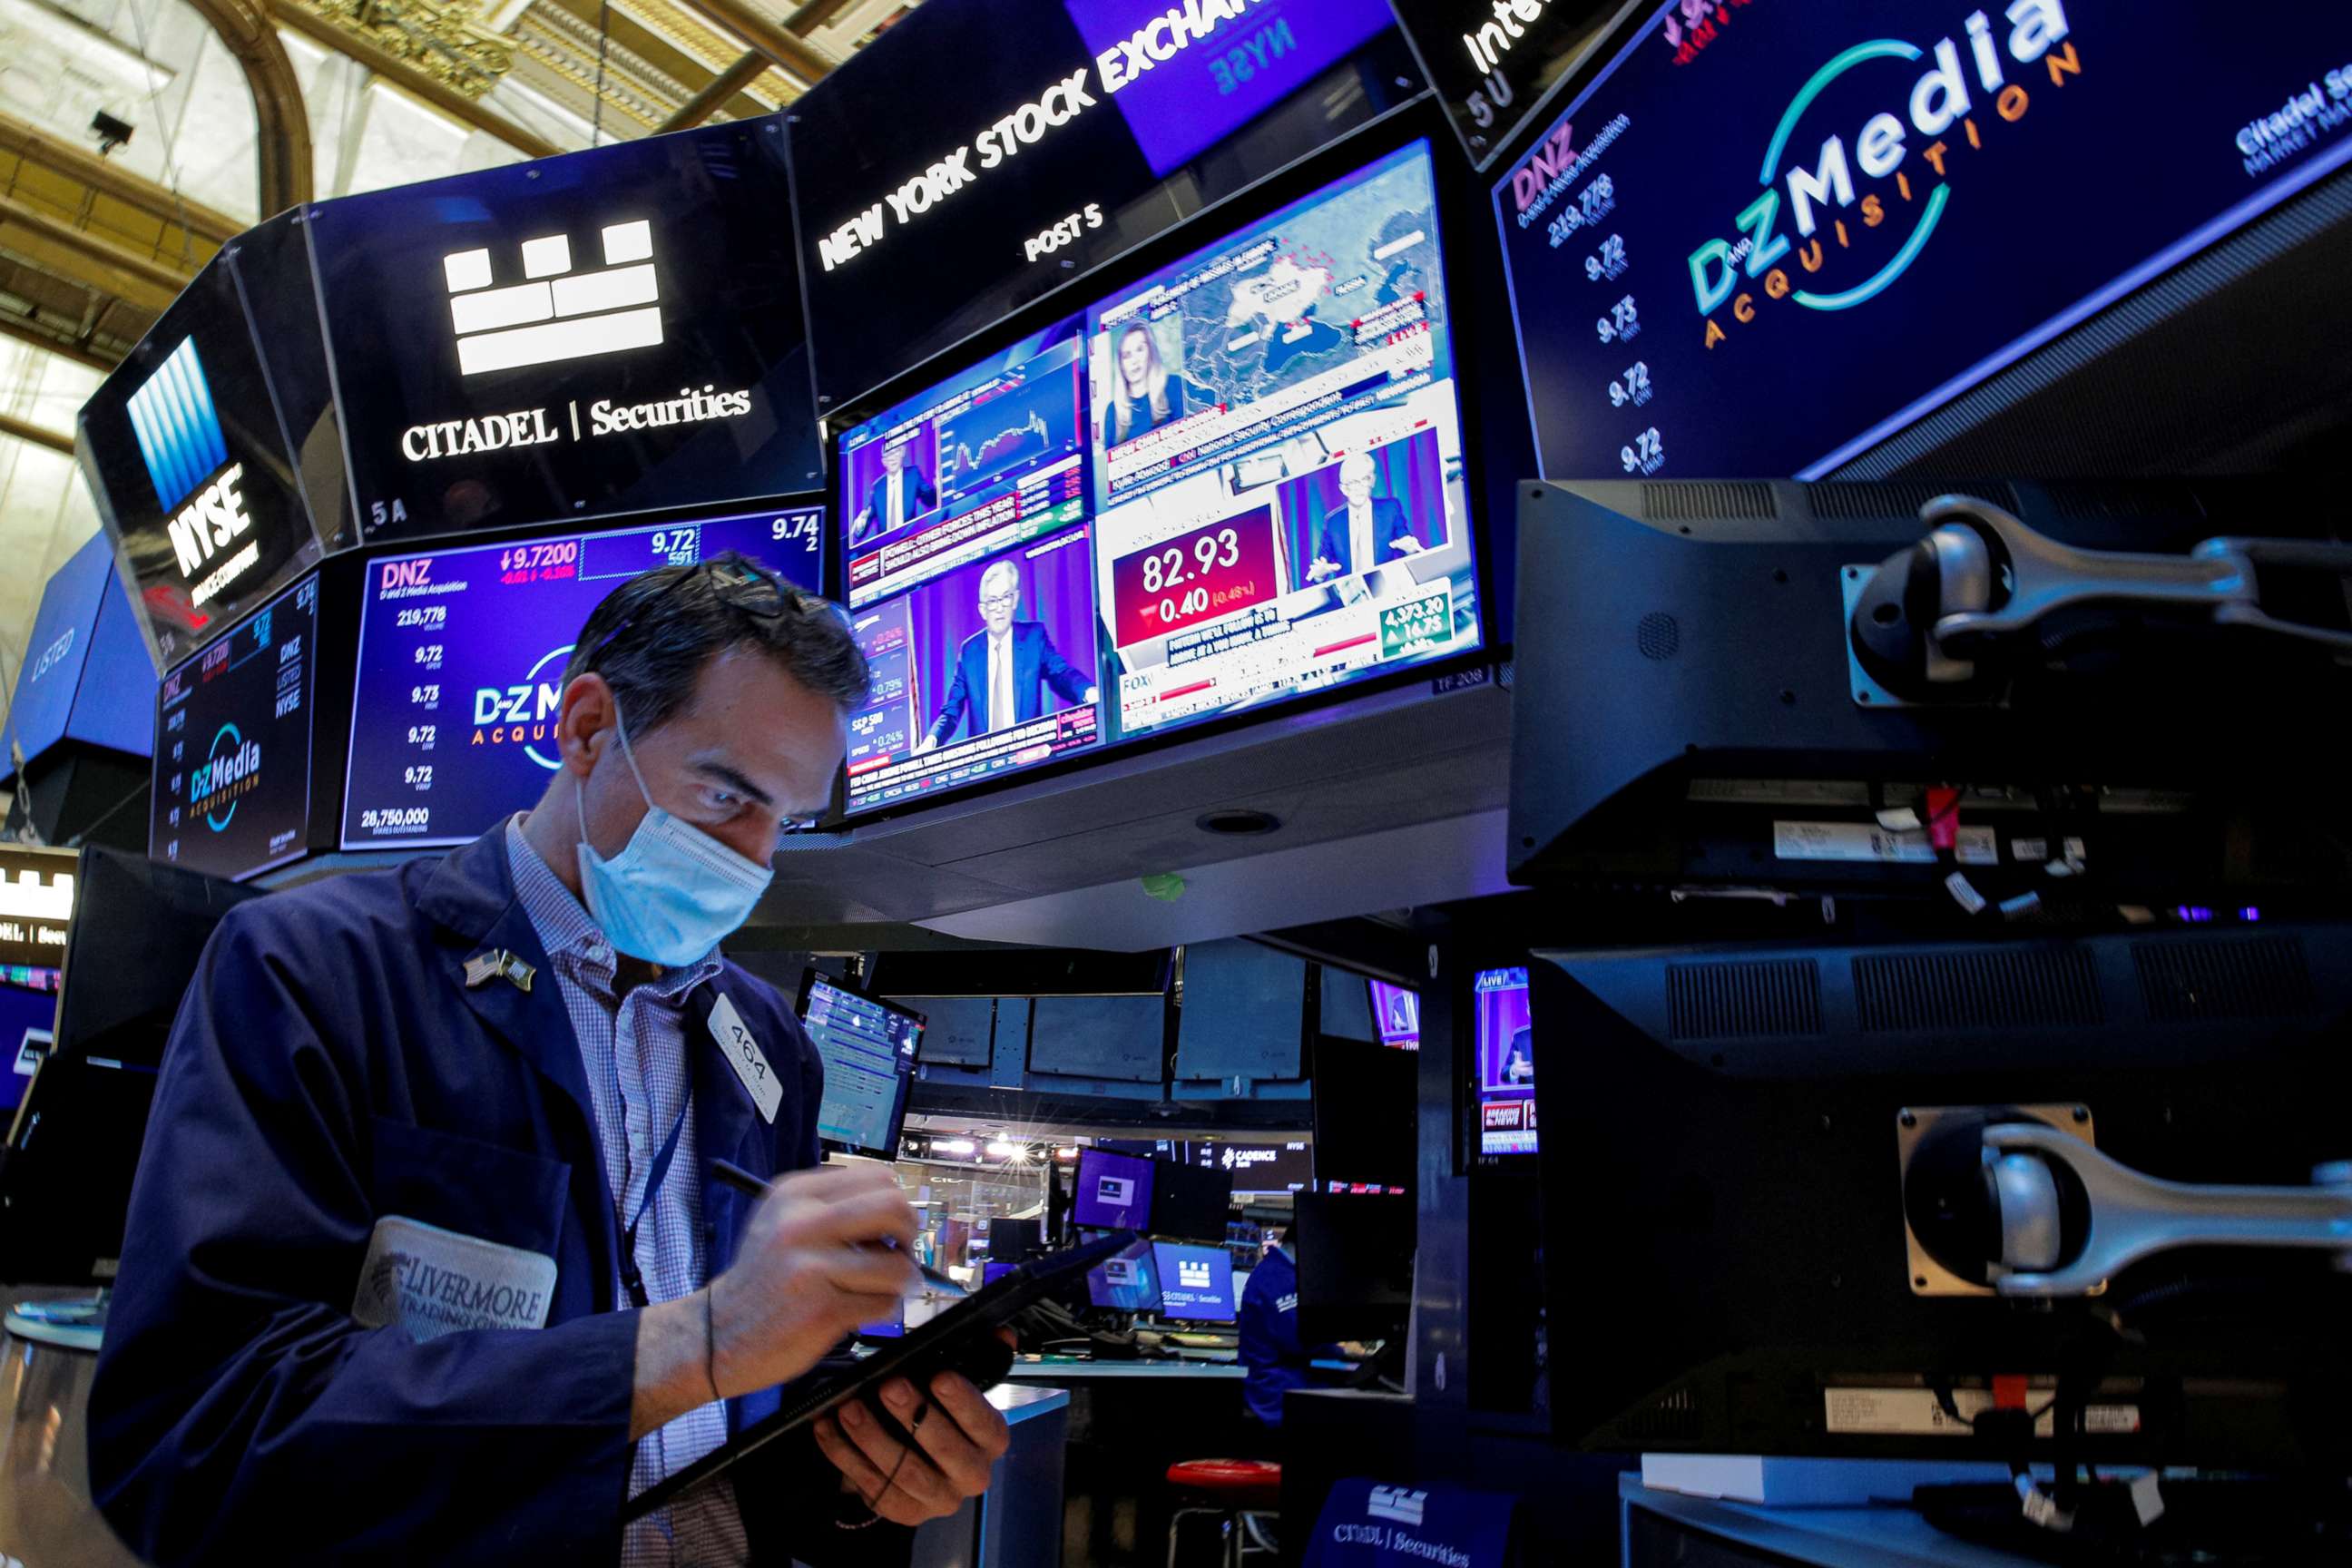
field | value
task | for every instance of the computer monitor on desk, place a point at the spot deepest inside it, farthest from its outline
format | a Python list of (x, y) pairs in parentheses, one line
[(1823, 1200), (138, 930), (1355, 1266), (1196, 1283)]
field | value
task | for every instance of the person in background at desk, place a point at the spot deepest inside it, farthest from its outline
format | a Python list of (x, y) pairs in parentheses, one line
[(1275, 1359), (428, 1258)]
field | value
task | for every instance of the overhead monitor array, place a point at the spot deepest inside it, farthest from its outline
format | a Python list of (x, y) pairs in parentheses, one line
[(1234, 482)]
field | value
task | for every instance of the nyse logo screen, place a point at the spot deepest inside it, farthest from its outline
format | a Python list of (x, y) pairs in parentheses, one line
[(179, 432), (463, 655)]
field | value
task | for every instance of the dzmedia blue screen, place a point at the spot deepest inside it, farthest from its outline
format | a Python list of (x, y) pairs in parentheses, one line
[(1235, 481), (1769, 235), (461, 660), (233, 729)]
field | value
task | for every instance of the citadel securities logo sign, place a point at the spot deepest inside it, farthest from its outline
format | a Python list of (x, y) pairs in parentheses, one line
[(179, 433), (1191, 1276), (554, 315), (1797, 229)]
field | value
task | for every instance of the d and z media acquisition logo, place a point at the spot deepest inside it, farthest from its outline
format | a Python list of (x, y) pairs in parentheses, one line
[(1831, 263), (524, 714), (230, 771), (179, 435)]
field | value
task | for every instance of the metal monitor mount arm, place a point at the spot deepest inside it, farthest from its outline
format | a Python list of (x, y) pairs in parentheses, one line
[(2133, 1215), (1983, 585)]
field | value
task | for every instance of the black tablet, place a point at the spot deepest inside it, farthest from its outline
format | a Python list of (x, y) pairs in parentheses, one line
[(963, 1338)]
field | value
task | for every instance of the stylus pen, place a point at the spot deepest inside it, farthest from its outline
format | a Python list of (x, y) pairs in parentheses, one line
[(744, 1182)]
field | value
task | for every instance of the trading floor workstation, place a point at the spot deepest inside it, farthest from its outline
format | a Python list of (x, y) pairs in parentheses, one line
[(1279, 784)]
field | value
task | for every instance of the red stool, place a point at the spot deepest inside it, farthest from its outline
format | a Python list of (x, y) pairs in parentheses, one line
[(1239, 1494)]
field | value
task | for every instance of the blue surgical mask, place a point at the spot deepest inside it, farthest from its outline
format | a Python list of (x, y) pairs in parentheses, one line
[(673, 892)]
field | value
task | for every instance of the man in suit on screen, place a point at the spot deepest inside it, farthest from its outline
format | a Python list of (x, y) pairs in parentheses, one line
[(1002, 670), (1366, 531), (902, 493)]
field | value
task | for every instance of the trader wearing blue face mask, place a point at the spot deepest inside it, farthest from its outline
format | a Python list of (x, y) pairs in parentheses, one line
[(425, 1260)]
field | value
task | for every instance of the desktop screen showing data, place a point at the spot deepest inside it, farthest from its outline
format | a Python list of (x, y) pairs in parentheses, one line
[(868, 1051), (1235, 481)]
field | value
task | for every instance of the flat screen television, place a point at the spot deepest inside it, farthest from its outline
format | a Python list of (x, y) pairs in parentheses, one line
[(1114, 1191), (233, 734), (1191, 1201), (868, 1048), (1504, 1061), (1196, 1283), (1236, 479), (1366, 1100), (1396, 1014), (462, 652)]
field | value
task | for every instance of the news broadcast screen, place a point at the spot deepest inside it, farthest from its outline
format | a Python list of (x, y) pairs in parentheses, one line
[(991, 666), (1278, 469), (1236, 481), (232, 779), (1505, 1063), (1396, 1014), (461, 661), (965, 469)]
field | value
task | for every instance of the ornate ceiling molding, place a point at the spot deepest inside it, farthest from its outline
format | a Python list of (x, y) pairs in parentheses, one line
[(444, 41)]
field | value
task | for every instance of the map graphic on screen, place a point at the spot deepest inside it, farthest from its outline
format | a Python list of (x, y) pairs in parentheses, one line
[(232, 780), (461, 661), (1278, 457)]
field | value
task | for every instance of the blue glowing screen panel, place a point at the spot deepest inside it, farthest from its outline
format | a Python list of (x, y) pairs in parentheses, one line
[(1767, 235), (57, 650)]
